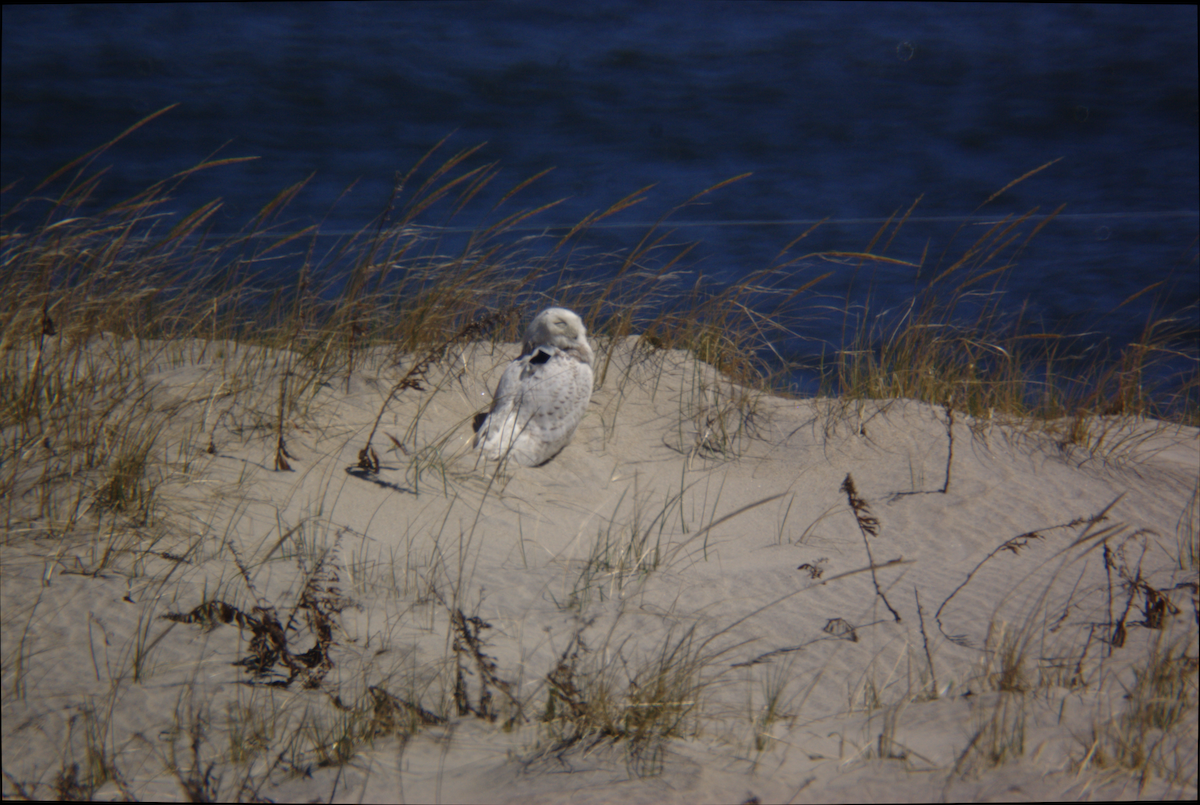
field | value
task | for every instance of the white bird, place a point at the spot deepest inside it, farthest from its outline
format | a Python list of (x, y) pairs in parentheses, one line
[(543, 394)]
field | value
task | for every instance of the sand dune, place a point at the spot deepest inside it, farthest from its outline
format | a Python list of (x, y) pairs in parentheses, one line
[(680, 607)]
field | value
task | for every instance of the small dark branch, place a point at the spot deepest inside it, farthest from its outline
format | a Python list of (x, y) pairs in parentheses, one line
[(925, 640), (868, 525), (1158, 605), (1110, 563), (356, 331), (462, 700), (768, 655), (562, 683), (949, 457), (48, 327), (1077, 676), (281, 451), (387, 706), (1133, 583), (282, 455), (368, 459), (950, 451), (467, 641), (836, 628), (197, 788), (241, 566), (962, 756)]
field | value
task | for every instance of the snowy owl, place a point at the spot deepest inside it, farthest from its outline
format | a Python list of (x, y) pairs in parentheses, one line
[(543, 394)]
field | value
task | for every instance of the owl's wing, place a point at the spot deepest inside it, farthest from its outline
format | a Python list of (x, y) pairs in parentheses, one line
[(539, 402), (503, 410), (514, 396)]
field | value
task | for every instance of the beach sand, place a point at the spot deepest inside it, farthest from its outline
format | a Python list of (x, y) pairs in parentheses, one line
[(680, 607)]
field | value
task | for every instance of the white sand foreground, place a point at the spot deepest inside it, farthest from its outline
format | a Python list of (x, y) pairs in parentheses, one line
[(678, 608)]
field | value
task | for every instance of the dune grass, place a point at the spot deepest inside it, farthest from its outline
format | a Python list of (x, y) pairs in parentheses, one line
[(148, 282), (96, 300)]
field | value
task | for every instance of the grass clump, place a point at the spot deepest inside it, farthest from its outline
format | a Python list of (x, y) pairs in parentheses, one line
[(774, 683), (955, 343), (1155, 734), (628, 547), (658, 700)]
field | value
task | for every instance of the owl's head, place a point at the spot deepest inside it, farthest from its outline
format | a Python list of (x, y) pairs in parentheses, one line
[(559, 327)]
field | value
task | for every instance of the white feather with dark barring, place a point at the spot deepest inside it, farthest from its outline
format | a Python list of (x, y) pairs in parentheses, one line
[(543, 394)]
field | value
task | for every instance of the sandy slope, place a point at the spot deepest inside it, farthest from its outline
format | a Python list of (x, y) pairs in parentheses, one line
[(684, 506)]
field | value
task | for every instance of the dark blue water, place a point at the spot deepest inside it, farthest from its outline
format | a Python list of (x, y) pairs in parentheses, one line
[(843, 110)]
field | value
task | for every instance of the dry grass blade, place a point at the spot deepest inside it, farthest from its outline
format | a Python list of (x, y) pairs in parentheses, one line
[(368, 459), (101, 149), (1014, 546)]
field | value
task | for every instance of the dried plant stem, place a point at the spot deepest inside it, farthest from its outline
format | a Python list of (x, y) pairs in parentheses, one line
[(281, 452), (950, 452), (925, 642), (1015, 545), (867, 524)]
